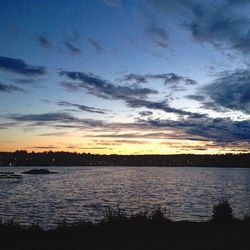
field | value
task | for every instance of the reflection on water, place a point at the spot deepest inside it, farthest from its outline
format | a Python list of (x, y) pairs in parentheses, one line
[(84, 193)]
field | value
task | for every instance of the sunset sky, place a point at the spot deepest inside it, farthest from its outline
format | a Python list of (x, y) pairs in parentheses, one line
[(125, 76)]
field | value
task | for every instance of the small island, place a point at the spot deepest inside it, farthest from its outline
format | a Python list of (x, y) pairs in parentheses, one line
[(39, 171)]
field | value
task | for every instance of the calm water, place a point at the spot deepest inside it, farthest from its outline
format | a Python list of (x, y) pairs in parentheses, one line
[(84, 193)]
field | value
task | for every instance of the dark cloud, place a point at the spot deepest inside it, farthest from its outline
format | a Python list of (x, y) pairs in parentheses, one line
[(211, 105), (72, 147), (177, 130), (184, 147), (139, 103), (65, 117), (145, 113), (97, 46), (221, 130), (18, 66), (164, 133), (157, 31), (160, 44), (116, 135), (62, 119), (134, 97), (158, 34), (221, 23), (231, 90), (135, 78), (167, 78), (199, 98), (54, 134), (120, 142), (189, 81), (83, 107), (72, 48), (102, 88), (27, 80), (9, 88), (172, 78), (43, 41), (47, 101), (7, 125), (70, 86), (45, 147)]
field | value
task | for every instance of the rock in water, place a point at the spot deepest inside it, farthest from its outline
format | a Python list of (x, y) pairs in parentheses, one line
[(39, 171)]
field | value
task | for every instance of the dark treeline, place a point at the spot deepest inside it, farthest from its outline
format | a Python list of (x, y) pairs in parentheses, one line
[(23, 158)]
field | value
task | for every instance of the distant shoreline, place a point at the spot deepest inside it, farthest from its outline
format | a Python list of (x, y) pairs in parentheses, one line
[(24, 158), (117, 166)]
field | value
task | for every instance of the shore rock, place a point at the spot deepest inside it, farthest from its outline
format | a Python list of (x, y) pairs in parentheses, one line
[(39, 171)]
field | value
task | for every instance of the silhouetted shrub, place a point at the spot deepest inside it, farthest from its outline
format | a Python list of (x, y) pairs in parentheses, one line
[(222, 212), (114, 215), (159, 215), (140, 217)]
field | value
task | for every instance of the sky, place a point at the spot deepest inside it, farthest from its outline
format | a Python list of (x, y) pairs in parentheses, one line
[(125, 76)]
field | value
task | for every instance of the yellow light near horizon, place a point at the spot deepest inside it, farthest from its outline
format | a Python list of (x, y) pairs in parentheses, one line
[(15, 139)]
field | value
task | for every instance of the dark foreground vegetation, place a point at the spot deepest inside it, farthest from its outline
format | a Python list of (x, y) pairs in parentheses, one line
[(23, 158), (143, 230)]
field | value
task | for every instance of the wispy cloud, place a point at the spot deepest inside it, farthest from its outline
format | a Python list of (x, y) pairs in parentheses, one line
[(102, 88), (219, 23), (7, 125), (62, 119), (83, 107), (18, 66), (162, 105), (196, 97), (72, 48), (97, 45), (119, 142), (27, 80), (166, 78), (44, 41), (231, 90), (45, 147), (9, 88), (222, 130), (134, 97), (54, 134), (158, 34)]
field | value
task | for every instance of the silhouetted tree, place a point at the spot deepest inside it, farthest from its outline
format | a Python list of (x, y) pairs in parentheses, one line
[(222, 213)]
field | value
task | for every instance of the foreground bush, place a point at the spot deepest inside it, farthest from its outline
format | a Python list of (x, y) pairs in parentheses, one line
[(222, 212), (155, 215), (146, 229)]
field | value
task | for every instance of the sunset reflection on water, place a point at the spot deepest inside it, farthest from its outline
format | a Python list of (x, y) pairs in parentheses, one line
[(77, 193)]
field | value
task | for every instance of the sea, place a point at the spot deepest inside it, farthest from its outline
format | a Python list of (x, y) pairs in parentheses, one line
[(85, 193)]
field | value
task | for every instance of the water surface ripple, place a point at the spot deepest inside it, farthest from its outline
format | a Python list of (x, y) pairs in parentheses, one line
[(77, 193)]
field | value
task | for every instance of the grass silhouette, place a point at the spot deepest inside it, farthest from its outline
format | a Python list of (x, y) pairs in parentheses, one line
[(146, 229)]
